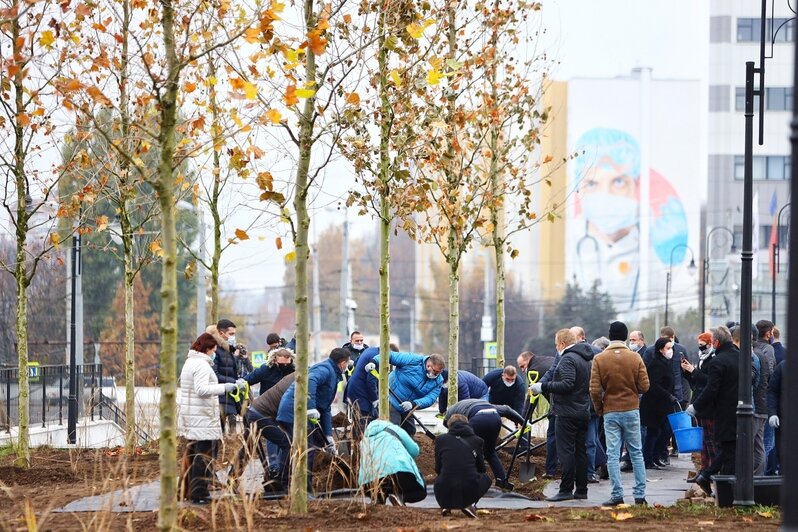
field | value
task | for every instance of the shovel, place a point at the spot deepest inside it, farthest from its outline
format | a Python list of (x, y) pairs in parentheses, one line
[(527, 471), (410, 414)]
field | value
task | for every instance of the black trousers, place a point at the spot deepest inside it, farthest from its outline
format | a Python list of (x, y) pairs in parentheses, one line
[(200, 454), (551, 446), (724, 460), (459, 495), (487, 426), (402, 483), (397, 417), (571, 435)]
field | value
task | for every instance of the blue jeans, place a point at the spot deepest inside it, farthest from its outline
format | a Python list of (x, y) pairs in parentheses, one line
[(619, 427), (595, 451), (770, 445)]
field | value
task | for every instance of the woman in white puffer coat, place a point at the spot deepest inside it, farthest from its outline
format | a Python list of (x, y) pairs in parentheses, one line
[(198, 415)]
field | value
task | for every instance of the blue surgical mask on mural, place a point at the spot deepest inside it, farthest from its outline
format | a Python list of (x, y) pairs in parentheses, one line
[(608, 212)]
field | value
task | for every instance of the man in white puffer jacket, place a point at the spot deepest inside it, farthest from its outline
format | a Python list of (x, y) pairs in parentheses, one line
[(198, 414)]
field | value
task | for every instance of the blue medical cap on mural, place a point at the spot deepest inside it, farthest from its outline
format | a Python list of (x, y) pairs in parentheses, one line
[(600, 144)]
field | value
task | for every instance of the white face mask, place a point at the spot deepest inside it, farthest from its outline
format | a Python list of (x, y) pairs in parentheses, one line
[(608, 212), (669, 354), (231, 340), (508, 384), (634, 346), (431, 375), (358, 347)]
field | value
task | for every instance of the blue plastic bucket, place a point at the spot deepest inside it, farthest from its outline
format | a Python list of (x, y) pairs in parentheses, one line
[(680, 420), (689, 440)]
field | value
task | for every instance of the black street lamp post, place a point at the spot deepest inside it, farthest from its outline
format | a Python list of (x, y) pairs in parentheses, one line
[(744, 464), (789, 428), (72, 404), (706, 271), (669, 277), (775, 252)]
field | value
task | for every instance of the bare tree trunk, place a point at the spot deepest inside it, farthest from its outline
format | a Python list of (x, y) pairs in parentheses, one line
[(130, 336), (454, 324), (215, 193), (20, 271), (385, 214), (167, 516), (453, 248), (299, 474)]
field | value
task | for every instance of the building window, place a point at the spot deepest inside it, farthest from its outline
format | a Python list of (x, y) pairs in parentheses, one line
[(765, 167), (749, 30), (777, 98), (739, 99)]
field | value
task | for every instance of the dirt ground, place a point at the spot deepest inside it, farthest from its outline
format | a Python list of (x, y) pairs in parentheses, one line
[(59, 477)]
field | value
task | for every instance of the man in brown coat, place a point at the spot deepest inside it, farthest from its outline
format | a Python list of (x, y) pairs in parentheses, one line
[(617, 380)]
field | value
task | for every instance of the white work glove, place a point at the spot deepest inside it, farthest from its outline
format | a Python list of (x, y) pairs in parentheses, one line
[(773, 421), (230, 387), (371, 366), (313, 415), (375, 404), (407, 406), (536, 388), (331, 448), (241, 384), (691, 410)]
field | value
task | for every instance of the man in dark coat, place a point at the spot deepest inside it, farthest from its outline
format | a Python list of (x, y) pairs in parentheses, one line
[(469, 386), (362, 389), (764, 438), (506, 387), (356, 347), (460, 466), (719, 400), (774, 421), (570, 402), (227, 368)]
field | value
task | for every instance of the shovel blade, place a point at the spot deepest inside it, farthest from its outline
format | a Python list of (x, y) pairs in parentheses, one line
[(526, 471)]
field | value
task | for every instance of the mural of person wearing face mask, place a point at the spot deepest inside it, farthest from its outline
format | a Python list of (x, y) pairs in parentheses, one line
[(606, 237)]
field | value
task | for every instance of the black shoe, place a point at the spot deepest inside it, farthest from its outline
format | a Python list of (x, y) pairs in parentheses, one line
[(626, 467), (593, 479), (603, 472), (396, 500), (675, 451), (471, 512), (662, 464), (613, 502), (641, 502), (704, 483), (666, 460), (654, 466), (504, 484), (446, 512), (561, 496), (201, 502), (580, 496), (548, 476)]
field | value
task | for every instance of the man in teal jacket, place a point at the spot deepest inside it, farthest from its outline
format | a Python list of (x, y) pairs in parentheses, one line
[(416, 383)]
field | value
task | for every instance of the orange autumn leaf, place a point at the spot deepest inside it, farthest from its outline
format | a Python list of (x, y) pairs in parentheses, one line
[(189, 87), (23, 119), (290, 95), (318, 43), (278, 242), (241, 234), (353, 98)]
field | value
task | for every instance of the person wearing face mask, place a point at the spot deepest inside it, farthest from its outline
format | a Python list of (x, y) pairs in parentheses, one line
[(637, 342), (505, 387), (198, 416), (697, 377), (658, 401), (227, 368), (764, 440), (279, 364), (355, 346), (415, 382)]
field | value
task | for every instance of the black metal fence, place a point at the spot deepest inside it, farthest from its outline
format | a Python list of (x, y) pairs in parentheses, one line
[(49, 393)]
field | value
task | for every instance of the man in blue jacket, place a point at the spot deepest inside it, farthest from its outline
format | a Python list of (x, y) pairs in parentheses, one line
[(323, 379), (362, 389), (506, 387), (469, 386), (415, 383)]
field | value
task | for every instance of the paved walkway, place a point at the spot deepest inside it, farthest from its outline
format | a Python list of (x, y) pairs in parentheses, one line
[(663, 487)]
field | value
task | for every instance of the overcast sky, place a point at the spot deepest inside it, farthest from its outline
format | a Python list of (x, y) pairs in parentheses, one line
[(589, 39)]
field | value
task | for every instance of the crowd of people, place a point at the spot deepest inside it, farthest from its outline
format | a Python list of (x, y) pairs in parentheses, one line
[(610, 401)]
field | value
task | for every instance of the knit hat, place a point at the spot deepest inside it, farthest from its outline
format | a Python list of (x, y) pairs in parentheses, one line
[(618, 331), (338, 354), (705, 337)]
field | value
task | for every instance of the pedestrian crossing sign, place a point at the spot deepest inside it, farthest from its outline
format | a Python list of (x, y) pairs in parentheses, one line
[(490, 350)]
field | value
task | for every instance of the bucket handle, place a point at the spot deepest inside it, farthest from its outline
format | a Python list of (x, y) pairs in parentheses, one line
[(678, 405)]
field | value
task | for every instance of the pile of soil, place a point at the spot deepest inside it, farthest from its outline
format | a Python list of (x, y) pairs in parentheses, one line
[(58, 476)]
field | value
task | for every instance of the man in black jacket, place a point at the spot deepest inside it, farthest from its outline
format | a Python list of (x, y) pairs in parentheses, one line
[(506, 387), (569, 389), (719, 400), (227, 368), (460, 465)]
